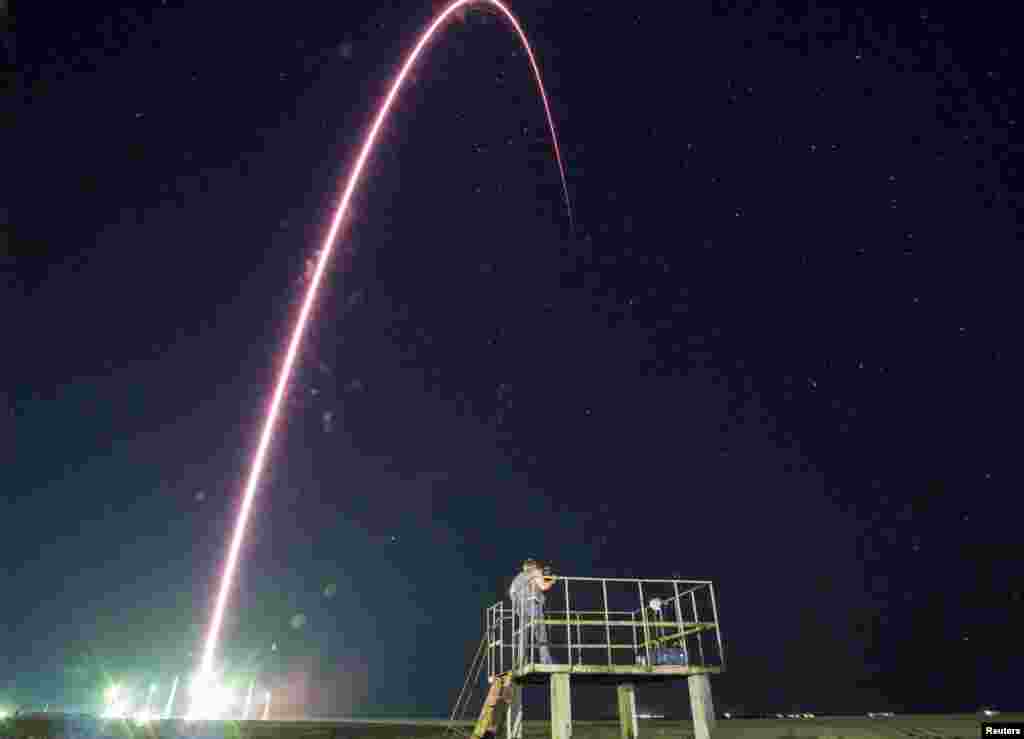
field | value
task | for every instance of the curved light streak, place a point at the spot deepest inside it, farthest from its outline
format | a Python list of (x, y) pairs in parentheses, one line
[(274, 409)]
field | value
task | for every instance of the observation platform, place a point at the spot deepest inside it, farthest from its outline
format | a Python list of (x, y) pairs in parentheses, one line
[(600, 631), (608, 630)]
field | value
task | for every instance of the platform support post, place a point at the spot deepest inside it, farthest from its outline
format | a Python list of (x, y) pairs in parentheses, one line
[(561, 707), (627, 711), (514, 715), (701, 705)]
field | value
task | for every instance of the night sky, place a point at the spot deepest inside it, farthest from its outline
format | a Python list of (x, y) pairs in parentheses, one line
[(777, 352)]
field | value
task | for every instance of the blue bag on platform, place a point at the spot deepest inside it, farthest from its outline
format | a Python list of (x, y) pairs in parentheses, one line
[(668, 656)]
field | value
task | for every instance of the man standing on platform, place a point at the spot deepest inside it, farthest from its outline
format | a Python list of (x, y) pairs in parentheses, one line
[(527, 593)]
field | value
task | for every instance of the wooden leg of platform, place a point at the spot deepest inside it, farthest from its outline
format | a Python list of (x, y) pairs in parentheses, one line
[(514, 715), (487, 723), (701, 705), (561, 707), (627, 711)]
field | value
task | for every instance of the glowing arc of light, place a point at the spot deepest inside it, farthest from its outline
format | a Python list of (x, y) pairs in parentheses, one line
[(259, 459)]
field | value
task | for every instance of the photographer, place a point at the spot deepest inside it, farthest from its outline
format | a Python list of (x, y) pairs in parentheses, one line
[(527, 593)]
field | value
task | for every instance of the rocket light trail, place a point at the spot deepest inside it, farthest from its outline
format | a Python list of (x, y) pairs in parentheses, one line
[(274, 408)]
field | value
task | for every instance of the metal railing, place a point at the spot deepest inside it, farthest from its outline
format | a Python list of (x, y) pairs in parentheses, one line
[(614, 622)]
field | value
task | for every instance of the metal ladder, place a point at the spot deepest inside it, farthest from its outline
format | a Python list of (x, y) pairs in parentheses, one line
[(499, 692), (465, 698)]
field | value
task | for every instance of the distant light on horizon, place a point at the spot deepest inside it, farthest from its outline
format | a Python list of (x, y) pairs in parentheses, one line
[(248, 700), (115, 707), (170, 698)]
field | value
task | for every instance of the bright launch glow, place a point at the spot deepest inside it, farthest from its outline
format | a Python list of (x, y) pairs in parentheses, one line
[(209, 698), (274, 408)]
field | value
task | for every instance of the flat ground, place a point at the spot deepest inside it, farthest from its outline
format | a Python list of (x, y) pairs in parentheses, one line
[(942, 727)]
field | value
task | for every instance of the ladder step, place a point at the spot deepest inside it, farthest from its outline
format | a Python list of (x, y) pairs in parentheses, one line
[(499, 693)]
